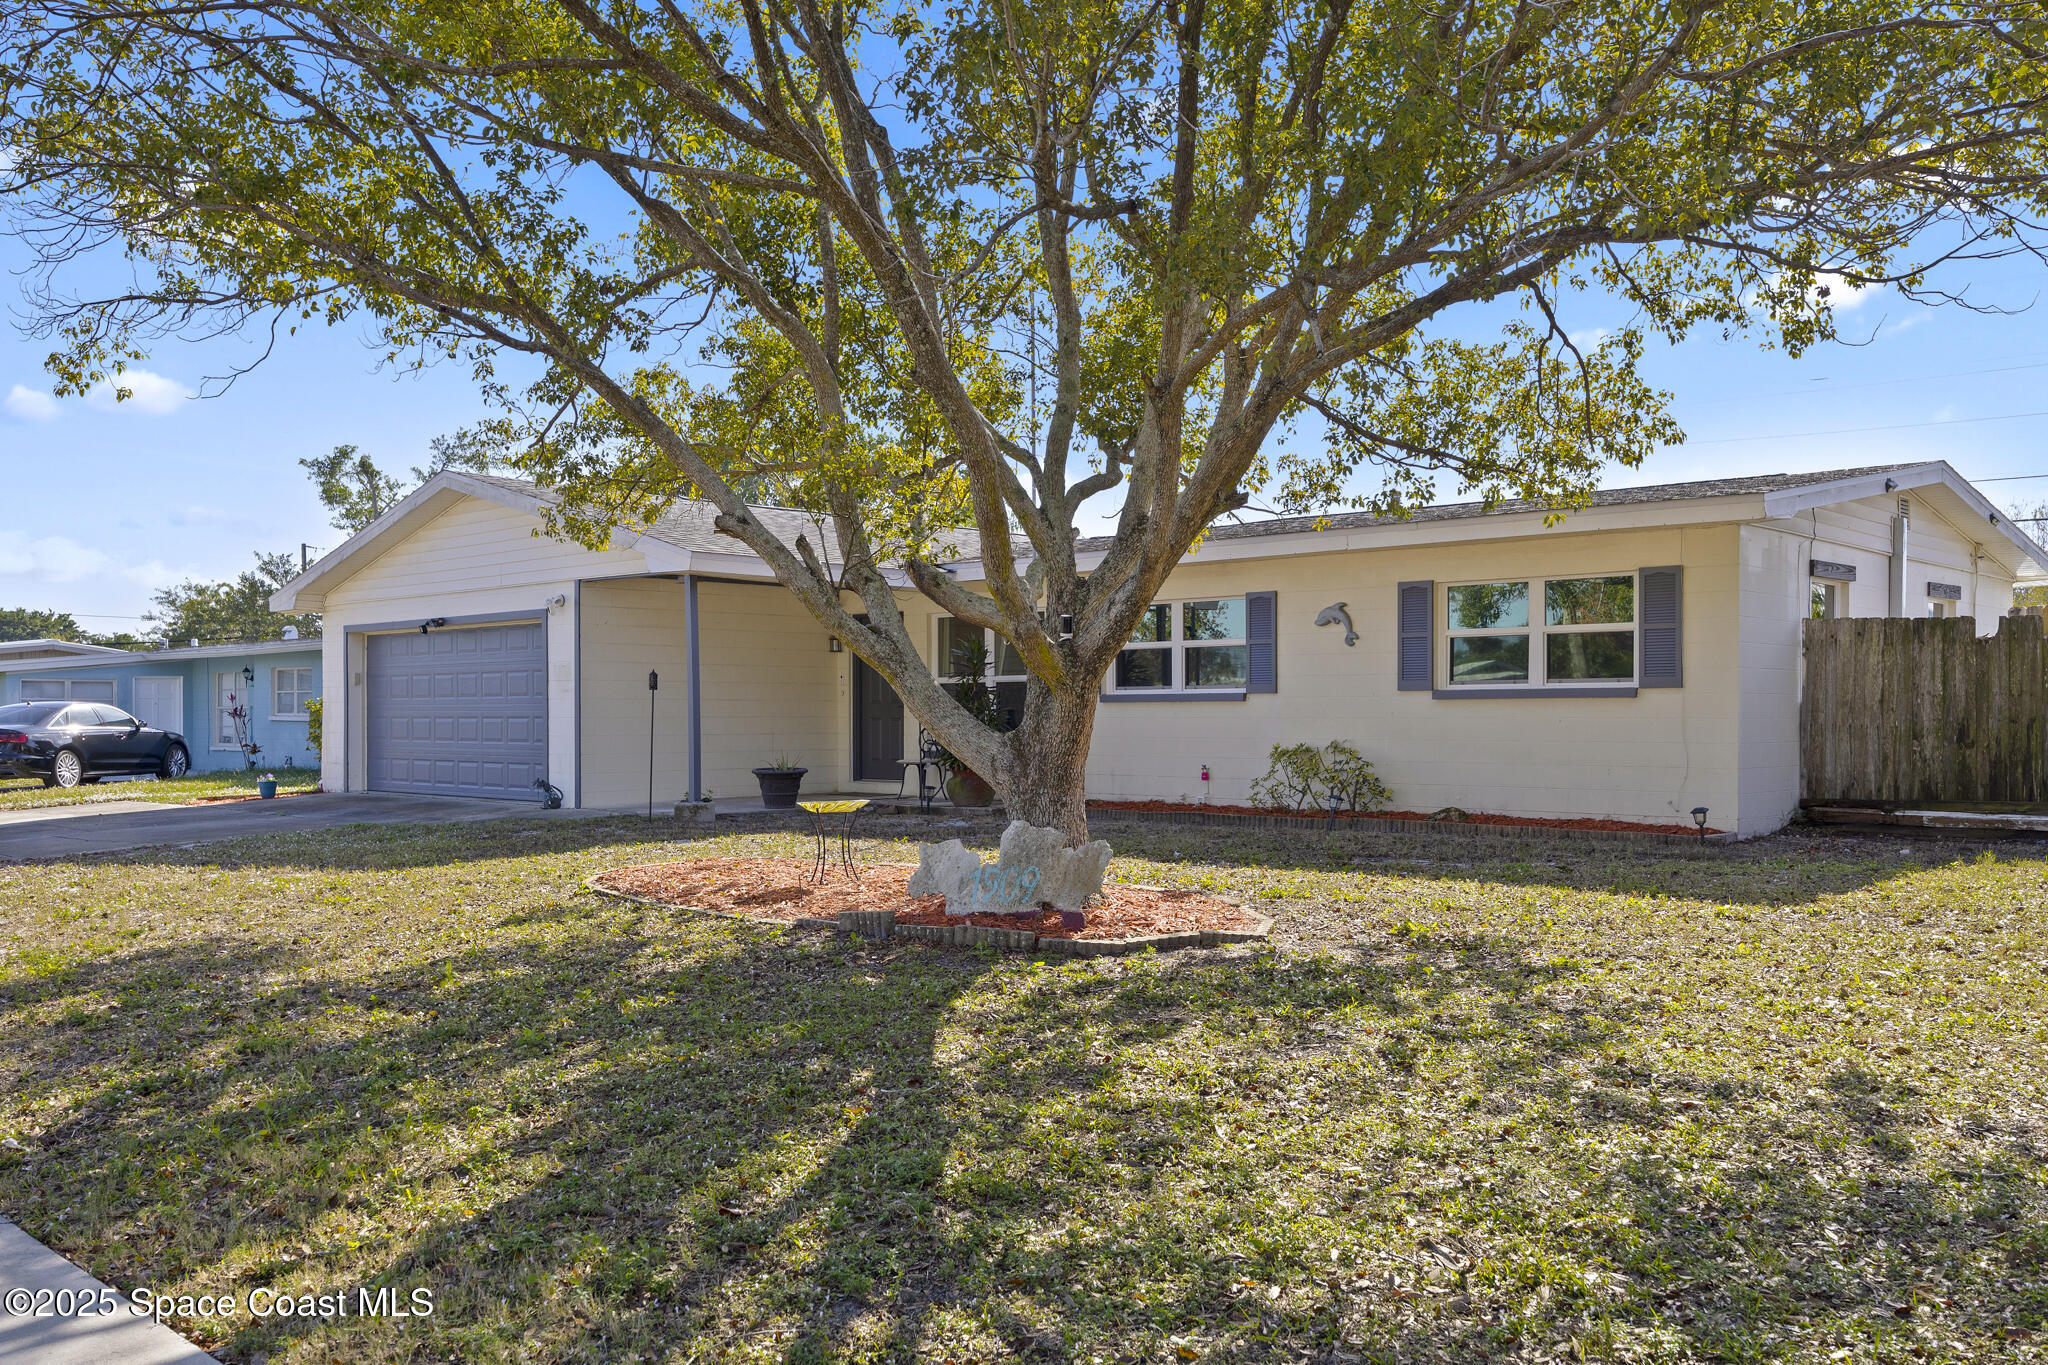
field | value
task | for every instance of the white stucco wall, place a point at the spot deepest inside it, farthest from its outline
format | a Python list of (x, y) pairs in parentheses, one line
[(1941, 545), (474, 559), (771, 688), (1776, 598), (1726, 740), (1650, 758), (632, 626)]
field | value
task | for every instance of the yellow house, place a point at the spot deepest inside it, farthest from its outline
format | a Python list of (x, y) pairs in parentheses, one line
[(1635, 660)]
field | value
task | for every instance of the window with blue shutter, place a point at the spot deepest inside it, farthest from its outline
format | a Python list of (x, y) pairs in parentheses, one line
[(1262, 635), (1415, 638), (1659, 617)]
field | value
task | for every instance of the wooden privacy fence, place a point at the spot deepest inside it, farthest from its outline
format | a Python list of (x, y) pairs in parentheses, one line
[(1900, 709)]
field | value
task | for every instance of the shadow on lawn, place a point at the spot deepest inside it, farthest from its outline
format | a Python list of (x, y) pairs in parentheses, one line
[(401, 847), (1786, 869), (662, 1134)]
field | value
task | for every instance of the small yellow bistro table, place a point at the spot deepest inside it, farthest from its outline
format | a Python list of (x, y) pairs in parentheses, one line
[(819, 811)]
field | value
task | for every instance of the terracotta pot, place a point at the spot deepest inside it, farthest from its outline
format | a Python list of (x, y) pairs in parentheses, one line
[(779, 786), (966, 789)]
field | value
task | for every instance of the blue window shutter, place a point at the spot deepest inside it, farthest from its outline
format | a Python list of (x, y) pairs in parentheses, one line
[(1659, 609), (1262, 636), (1415, 643)]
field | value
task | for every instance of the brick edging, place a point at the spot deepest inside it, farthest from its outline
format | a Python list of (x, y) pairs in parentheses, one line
[(1369, 825), (879, 925)]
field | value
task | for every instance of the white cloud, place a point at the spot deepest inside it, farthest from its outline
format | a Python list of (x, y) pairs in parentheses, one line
[(30, 405), (199, 514), (1845, 297), (1591, 339), (60, 559), (148, 392)]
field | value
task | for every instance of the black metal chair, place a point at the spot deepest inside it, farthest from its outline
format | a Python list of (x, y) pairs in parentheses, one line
[(928, 751)]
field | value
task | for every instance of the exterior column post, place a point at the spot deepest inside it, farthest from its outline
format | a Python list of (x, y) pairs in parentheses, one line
[(1898, 566), (696, 691)]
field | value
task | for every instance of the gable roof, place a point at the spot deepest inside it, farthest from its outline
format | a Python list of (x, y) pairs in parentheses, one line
[(12, 651), (1782, 495), (684, 539), (176, 654), (1602, 497)]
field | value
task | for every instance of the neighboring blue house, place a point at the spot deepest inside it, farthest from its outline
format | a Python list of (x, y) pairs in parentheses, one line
[(194, 691)]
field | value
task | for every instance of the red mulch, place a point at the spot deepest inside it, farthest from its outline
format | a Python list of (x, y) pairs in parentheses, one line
[(779, 889), (1528, 821), (230, 800)]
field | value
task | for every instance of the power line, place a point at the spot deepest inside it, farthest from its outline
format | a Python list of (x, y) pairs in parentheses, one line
[(102, 616), (1902, 379), (1858, 431)]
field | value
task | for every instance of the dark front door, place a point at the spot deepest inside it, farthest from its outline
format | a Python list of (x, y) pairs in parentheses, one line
[(877, 727)]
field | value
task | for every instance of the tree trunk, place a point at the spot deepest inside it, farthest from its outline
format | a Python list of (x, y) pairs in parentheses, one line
[(1043, 777)]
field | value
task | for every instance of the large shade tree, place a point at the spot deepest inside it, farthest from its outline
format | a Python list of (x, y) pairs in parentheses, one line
[(926, 267)]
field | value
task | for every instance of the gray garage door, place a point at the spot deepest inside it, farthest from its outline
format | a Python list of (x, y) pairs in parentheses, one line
[(459, 712)]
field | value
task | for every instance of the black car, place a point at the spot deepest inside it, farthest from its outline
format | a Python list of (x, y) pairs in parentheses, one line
[(68, 742)]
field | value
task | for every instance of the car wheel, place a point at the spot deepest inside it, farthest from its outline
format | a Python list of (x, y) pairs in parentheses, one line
[(176, 762), (67, 769)]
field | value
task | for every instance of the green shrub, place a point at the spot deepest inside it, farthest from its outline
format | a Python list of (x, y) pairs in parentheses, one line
[(313, 725), (1303, 777)]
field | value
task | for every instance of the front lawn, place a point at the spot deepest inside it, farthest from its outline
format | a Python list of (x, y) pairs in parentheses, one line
[(1479, 1101), (24, 793)]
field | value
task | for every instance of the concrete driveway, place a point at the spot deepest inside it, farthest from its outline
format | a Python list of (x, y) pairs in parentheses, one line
[(59, 831)]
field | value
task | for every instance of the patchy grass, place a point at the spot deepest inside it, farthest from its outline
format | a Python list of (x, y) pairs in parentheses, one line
[(1479, 1102), (28, 793)]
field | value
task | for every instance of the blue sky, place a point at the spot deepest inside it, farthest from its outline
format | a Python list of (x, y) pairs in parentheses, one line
[(167, 486)]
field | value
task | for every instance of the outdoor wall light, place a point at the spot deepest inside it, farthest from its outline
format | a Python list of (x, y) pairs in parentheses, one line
[(248, 676), (835, 644), (558, 601), (433, 624)]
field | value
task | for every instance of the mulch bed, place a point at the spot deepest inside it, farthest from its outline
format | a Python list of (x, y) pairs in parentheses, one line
[(231, 800), (779, 889), (1528, 821)]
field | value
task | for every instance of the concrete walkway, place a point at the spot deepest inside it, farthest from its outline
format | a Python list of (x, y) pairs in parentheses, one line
[(73, 1337), (113, 826)]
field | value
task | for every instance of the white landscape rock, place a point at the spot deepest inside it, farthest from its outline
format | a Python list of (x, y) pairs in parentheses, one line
[(1033, 866)]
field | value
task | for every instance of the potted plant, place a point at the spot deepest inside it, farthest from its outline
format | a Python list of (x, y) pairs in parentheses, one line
[(964, 786), (780, 782), (267, 786)]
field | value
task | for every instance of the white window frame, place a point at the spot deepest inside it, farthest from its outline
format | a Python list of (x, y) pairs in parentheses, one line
[(1835, 592), (942, 657), (1941, 608), (69, 689), (1176, 647), (278, 692), (222, 724), (1538, 632)]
